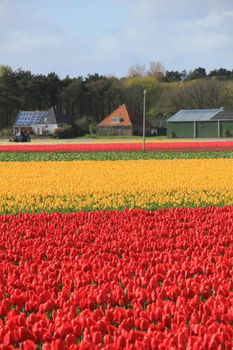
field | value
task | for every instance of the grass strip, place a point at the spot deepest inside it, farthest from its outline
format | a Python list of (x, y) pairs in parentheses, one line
[(148, 207), (101, 156)]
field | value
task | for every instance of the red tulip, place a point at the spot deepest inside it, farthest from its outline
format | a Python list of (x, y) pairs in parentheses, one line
[(72, 291), (29, 345)]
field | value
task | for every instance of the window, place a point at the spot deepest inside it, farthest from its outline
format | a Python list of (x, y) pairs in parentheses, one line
[(116, 119)]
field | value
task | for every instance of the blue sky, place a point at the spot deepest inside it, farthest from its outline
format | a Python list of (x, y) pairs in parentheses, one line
[(77, 37)]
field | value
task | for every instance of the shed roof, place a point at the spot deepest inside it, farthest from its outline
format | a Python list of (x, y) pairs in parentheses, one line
[(190, 115), (224, 115)]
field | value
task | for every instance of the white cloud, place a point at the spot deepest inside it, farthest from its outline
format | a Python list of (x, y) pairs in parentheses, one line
[(181, 34), (210, 34), (210, 43), (178, 32), (213, 20), (19, 42)]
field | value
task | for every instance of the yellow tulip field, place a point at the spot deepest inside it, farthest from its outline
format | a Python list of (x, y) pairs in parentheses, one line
[(93, 185)]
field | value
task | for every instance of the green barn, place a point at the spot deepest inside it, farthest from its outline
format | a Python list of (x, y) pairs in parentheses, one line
[(201, 123)]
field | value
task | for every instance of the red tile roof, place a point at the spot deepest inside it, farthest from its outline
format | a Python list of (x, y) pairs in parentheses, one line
[(120, 112)]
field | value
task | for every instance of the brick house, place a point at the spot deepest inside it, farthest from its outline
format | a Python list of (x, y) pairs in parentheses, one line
[(122, 121)]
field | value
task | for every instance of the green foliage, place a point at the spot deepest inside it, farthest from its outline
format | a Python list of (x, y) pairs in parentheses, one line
[(221, 74), (96, 96), (102, 156), (5, 70), (192, 94), (70, 131), (227, 96), (198, 73), (92, 128), (134, 87), (228, 133), (148, 83), (172, 76)]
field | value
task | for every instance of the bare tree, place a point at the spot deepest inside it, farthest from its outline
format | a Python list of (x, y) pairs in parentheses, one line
[(156, 70), (138, 70)]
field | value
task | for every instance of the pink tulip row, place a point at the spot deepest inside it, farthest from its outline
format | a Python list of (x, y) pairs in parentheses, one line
[(109, 147), (117, 280)]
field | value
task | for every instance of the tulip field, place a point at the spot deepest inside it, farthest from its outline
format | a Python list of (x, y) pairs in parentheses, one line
[(115, 248), (110, 147)]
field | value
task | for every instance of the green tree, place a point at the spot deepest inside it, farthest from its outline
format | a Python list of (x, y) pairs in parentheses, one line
[(227, 96), (221, 74), (198, 73), (54, 87), (202, 93), (72, 98), (172, 76), (8, 96), (133, 91)]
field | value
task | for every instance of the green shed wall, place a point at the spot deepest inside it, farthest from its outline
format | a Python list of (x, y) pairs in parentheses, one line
[(226, 128), (180, 129), (207, 129), (204, 129)]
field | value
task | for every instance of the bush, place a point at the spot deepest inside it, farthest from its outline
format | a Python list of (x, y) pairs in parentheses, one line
[(82, 130), (227, 133), (64, 132), (70, 131), (6, 132), (92, 128), (173, 134)]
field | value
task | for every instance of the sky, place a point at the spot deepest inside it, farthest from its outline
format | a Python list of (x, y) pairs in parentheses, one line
[(81, 37)]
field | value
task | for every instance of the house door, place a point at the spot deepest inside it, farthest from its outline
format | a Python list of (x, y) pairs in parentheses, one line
[(38, 131)]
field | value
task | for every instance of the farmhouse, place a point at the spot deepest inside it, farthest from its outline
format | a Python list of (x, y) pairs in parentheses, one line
[(201, 123), (38, 122), (123, 121)]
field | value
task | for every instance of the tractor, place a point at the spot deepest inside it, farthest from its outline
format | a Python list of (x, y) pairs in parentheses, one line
[(22, 136)]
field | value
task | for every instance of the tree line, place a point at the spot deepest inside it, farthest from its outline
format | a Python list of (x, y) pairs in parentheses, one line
[(87, 100)]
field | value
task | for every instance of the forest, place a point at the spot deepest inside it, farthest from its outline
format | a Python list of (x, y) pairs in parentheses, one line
[(87, 100)]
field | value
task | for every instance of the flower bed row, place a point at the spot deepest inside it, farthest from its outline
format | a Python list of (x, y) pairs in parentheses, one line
[(88, 185), (70, 156), (160, 146), (115, 280)]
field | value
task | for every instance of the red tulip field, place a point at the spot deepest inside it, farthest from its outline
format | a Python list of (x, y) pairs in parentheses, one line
[(116, 279), (110, 147)]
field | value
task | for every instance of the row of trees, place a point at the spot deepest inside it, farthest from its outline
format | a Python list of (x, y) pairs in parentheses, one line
[(86, 100), (157, 70)]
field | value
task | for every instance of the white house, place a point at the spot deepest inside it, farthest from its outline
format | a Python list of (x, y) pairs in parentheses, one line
[(38, 122)]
